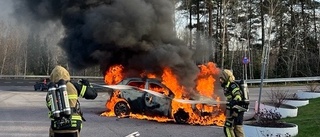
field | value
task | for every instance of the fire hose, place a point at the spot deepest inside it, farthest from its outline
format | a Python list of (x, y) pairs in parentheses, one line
[(207, 102)]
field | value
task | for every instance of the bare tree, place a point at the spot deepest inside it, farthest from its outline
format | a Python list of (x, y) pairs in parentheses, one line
[(15, 42), (224, 32), (274, 7), (2, 40), (315, 33), (4, 46), (218, 31), (278, 96)]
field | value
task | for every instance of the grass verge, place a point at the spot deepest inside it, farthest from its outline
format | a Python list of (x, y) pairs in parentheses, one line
[(308, 119)]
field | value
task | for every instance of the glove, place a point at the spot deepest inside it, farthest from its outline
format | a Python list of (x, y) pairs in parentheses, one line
[(231, 103), (84, 82), (237, 108), (229, 122)]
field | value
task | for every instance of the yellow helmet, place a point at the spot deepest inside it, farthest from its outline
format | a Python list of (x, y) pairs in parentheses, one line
[(227, 75)]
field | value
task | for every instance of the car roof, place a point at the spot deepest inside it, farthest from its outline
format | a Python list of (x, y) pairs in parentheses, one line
[(127, 80)]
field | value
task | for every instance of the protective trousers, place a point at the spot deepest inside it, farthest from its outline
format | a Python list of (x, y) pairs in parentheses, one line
[(233, 131), (233, 125), (64, 133), (238, 130), (228, 128)]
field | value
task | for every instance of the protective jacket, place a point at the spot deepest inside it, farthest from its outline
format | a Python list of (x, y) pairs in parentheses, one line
[(234, 115), (74, 90), (234, 97)]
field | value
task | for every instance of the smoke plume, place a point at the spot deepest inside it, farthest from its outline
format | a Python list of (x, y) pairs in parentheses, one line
[(138, 34)]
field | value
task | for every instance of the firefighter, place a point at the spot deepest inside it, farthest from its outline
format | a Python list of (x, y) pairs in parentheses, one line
[(73, 90), (233, 126)]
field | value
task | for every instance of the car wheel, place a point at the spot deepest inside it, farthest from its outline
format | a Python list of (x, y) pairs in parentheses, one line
[(181, 117), (36, 87), (121, 109)]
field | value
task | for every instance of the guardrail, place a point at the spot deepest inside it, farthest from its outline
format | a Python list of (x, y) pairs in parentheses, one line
[(284, 80), (44, 76), (250, 81)]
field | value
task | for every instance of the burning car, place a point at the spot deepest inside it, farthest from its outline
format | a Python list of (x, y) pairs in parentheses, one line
[(139, 101), (149, 97), (161, 97)]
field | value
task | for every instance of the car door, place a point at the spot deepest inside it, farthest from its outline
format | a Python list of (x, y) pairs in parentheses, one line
[(134, 97), (156, 103)]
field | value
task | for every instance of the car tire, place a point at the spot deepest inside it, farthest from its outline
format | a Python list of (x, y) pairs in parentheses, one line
[(121, 108), (35, 87), (181, 117)]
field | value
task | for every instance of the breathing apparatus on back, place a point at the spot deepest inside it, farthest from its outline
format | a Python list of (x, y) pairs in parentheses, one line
[(59, 99), (245, 92), (228, 76)]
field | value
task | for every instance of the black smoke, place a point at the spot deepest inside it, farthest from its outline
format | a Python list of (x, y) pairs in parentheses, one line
[(138, 34)]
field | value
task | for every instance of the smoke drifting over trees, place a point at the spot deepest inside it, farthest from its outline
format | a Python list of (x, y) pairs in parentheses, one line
[(138, 34)]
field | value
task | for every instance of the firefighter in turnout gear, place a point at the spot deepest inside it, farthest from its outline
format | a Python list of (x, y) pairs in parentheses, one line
[(233, 126), (62, 102)]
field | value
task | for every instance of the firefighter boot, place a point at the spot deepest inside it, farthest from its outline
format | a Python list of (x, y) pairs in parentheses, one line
[(50, 132), (63, 133)]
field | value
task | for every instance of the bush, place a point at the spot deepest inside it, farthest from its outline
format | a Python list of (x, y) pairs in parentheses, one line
[(313, 86), (278, 97), (268, 118)]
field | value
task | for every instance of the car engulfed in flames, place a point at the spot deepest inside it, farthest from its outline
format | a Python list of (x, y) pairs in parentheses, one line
[(163, 100)]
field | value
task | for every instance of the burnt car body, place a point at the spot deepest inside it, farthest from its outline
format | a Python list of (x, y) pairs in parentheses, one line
[(41, 85), (142, 102)]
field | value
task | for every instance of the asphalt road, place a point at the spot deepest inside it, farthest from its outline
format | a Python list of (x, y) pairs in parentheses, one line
[(23, 113)]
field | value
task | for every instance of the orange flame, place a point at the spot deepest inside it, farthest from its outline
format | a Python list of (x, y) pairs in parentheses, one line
[(153, 118), (114, 75), (199, 114), (205, 79), (145, 74)]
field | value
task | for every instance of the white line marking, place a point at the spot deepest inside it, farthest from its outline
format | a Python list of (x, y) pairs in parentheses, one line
[(134, 134)]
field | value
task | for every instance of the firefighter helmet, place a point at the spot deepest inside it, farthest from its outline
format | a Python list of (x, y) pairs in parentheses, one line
[(227, 75)]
